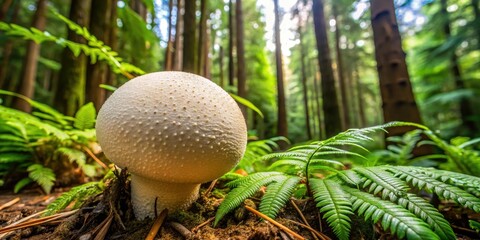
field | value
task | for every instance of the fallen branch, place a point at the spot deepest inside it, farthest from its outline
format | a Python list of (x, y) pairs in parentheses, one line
[(187, 234), (9, 203), (279, 225), (203, 224), (35, 222)]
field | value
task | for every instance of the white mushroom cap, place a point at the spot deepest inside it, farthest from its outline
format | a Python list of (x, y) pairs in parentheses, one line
[(172, 127)]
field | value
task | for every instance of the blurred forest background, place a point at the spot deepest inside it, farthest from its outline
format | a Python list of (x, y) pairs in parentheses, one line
[(313, 68)]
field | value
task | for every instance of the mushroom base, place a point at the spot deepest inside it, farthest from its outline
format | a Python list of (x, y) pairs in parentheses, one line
[(173, 196)]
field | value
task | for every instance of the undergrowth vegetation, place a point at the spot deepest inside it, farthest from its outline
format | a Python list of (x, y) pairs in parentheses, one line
[(385, 194), (45, 147)]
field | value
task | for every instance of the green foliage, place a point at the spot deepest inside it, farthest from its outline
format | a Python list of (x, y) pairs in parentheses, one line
[(257, 149), (76, 195), (383, 194), (43, 144)]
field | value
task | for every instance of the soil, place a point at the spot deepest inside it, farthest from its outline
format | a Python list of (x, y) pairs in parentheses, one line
[(113, 205)]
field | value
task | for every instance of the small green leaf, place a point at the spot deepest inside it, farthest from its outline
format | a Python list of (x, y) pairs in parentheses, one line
[(246, 103), (108, 87), (21, 184), (85, 117)]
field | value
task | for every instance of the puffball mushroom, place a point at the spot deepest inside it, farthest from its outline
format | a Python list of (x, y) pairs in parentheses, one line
[(172, 131)]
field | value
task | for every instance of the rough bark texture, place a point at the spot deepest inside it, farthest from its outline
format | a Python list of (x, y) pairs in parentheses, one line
[(304, 82), (189, 37), (169, 49), (331, 108), (29, 72), (111, 76), (71, 88), (241, 77), (178, 53), (282, 129), (97, 73), (395, 87), (202, 38), (465, 106), (341, 77), (231, 35)]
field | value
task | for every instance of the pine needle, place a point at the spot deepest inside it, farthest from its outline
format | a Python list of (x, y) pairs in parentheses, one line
[(279, 225), (36, 222), (9, 203)]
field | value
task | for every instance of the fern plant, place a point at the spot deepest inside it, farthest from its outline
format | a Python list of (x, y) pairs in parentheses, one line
[(41, 145), (381, 194)]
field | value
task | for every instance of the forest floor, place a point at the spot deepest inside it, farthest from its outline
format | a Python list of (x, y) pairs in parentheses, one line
[(110, 214)]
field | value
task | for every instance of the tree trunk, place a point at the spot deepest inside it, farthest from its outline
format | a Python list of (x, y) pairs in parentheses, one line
[(220, 67), (231, 35), (360, 101), (139, 7), (206, 59), (8, 49), (476, 11), (316, 95), (329, 95), (282, 128), (169, 49), (304, 83), (178, 53), (97, 73), (29, 72), (465, 106), (202, 38), (341, 77), (71, 89), (189, 37), (111, 76), (241, 77), (4, 8)]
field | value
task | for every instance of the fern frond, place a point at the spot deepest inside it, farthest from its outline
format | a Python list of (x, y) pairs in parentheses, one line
[(277, 195), (45, 177), (424, 210), (73, 155), (85, 117), (292, 162), (422, 181), (377, 180), (334, 203), (393, 217), (244, 188), (77, 194)]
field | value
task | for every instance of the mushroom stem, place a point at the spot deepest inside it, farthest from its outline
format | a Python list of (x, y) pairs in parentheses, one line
[(173, 196)]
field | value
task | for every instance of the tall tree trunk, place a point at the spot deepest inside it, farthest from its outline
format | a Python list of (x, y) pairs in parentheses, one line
[(29, 72), (360, 101), (71, 89), (476, 12), (304, 82), (140, 8), (282, 128), (169, 50), (189, 37), (178, 53), (8, 49), (341, 77), (4, 8), (331, 108), (465, 106), (395, 87), (241, 77), (97, 73), (320, 115), (231, 35), (220, 67), (111, 76), (206, 58), (202, 38)]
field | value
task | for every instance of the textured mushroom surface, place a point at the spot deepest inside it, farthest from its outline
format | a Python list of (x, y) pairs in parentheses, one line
[(172, 127)]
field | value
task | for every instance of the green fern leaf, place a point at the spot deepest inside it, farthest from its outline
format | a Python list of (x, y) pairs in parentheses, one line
[(393, 217), (21, 184), (244, 188), (277, 195), (85, 117), (424, 210), (45, 177), (377, 180), (422, 181), (291, 162), (13, 157), (73, 155), (334, 203), (77, 194)]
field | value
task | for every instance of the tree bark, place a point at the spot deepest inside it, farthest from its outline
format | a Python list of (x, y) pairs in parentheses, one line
[(465, 106), (220, 63), (4, 8), (304, 82), (189, 37), (341, 77), (8, 49), (241, 77), (329, 95), (169, 49), (360, 101), (111, 76), (29, 72), (231, 35), (97, 73), (282, 128), (202, 38), (395, 87), (71, 89), (178, 53), (139, 7)]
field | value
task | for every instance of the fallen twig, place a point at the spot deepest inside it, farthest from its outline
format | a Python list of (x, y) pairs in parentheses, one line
[(4, 235), (181, 229), (203, 224), (9, 203), (157, 224), (90, 153), (210, 188), (35, 222), (317, 233), (279, 225), (104, 227), (303, 217)]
